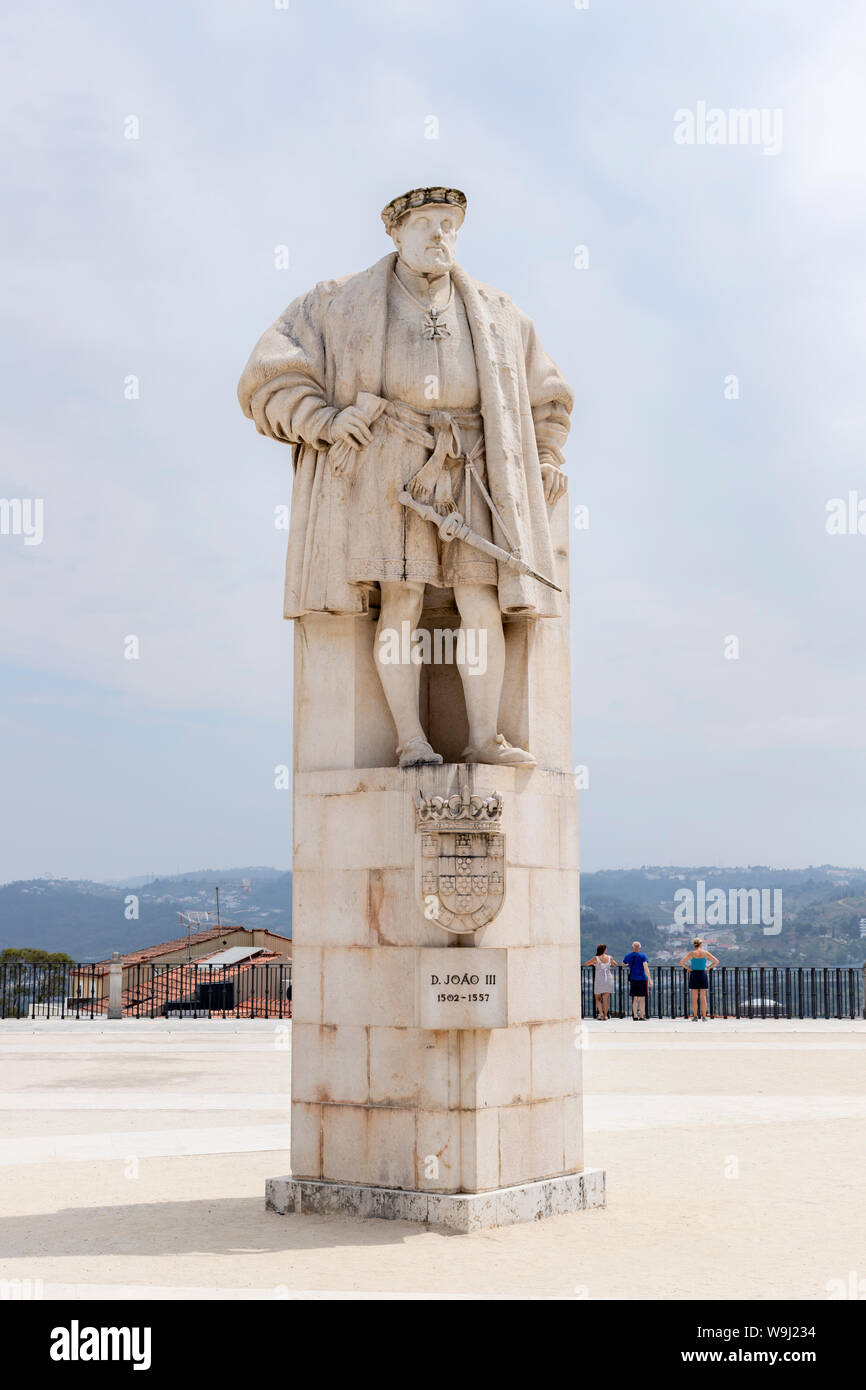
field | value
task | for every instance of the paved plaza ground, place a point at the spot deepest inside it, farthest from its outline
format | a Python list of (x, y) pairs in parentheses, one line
[(133, 1159)]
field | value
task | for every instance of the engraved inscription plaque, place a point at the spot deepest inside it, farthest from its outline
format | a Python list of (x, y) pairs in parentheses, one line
[(462, 988)]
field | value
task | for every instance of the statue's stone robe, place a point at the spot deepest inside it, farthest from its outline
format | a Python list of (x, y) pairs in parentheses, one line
[(327, 348)]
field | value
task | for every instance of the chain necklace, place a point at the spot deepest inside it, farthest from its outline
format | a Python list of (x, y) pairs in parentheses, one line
[(433, 326)]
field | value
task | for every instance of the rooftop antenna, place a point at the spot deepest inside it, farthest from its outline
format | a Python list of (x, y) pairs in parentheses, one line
[(194, 921)]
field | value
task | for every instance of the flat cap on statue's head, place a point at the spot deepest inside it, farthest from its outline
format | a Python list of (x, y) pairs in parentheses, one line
[(419, 198)]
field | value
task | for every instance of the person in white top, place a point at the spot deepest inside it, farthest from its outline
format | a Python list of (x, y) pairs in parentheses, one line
[(603, 984)]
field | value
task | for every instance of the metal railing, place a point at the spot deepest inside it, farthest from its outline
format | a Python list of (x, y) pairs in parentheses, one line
[(148, 991), (208, 991), (265, 991), (741, 991), (51, 991)]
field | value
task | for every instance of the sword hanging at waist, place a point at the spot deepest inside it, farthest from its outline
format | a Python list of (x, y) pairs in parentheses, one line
[(452, 527)]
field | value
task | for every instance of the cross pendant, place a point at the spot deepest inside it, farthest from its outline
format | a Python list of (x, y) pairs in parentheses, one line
[(434, 327)]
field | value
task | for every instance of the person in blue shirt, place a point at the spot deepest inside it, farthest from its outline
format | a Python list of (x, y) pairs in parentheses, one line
[(639, 980)]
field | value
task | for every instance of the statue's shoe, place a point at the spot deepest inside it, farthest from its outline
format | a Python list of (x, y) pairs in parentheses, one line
[(416, 753), (500, 752)]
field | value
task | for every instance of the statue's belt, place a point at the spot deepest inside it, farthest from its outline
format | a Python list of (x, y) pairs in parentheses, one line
[(439, 431)]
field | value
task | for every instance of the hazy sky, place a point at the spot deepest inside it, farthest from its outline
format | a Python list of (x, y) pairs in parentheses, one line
[(155, 258)]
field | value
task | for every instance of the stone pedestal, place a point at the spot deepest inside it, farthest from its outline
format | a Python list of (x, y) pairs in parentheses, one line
[(377, 1099), (462, 1212), (477, 1122)]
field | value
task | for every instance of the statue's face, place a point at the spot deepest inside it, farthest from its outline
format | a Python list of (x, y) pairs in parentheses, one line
[(426, 237)]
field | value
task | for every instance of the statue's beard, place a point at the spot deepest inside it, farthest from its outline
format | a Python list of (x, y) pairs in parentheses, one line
[(433, 262)]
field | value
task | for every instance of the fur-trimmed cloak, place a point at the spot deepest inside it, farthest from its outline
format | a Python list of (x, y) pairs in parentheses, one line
[(326, 348)]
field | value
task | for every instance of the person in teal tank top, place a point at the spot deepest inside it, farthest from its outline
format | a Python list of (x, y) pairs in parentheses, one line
[(698, 961)]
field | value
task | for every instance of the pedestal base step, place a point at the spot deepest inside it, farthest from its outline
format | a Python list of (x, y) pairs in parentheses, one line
[(463, 1211)]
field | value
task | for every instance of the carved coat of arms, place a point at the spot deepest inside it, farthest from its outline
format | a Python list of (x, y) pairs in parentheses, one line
[(460, 859)]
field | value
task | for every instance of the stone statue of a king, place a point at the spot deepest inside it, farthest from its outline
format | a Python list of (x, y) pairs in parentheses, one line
[(427, 424), (435, 895)]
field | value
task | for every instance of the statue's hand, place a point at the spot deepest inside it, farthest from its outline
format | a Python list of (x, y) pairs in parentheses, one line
[(350, 427), (554, 482)]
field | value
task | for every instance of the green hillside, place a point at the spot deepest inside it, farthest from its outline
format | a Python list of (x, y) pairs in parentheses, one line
[(820, 911), (90, 920)]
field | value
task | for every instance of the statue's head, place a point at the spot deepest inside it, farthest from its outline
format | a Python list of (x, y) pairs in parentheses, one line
[(423, 225)]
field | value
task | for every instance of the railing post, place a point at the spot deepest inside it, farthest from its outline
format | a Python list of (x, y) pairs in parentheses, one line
[(115, 986), (863, 980)]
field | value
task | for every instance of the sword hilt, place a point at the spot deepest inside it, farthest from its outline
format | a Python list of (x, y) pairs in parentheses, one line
[(453, 528)]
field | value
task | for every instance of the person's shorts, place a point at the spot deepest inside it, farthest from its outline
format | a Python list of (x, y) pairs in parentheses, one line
[(637, 989), (697, 979)]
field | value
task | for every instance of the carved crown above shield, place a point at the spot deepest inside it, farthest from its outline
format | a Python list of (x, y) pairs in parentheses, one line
[(459, 859)]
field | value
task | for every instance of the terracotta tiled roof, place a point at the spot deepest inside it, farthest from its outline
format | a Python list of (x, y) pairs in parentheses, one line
[(179, 943), (164, 948), (153, 991)]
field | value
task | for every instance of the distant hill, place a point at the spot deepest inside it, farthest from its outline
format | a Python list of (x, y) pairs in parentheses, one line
[(822, 908), (88, 920), (820, 912)]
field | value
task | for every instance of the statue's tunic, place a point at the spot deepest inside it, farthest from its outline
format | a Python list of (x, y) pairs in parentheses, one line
[(428, 372), (353, 342), (420, 373)]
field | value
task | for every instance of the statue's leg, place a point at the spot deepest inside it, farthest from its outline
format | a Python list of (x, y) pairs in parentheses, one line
[(401, 603), (478, 605), (481, 619)]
